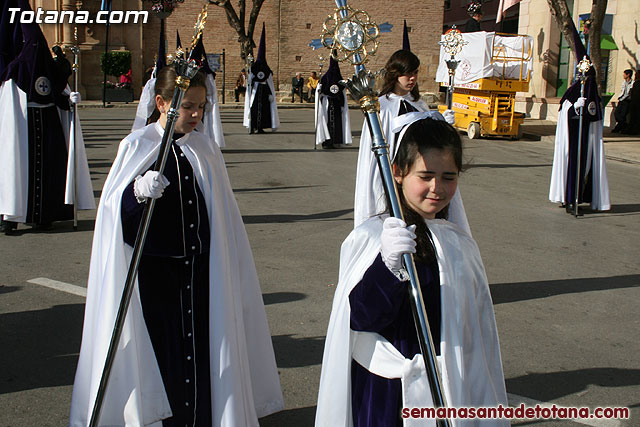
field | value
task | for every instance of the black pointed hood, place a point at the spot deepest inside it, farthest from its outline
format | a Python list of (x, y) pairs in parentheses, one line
[(405, 37), (178, 42), (10, 35), (260, 69), (200, 54), (34, 70), (331, 78), (161, 60)]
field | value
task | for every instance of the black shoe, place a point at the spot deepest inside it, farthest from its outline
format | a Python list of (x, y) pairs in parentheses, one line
[(8, 227), (261, 131), (569, 207)]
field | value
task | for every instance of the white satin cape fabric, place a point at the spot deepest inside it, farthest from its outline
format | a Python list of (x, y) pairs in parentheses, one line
[(14, 161), (211, 125), (369, 197), (596, 162), (321, 119), (244, 377), (250, 97), (470, 365)]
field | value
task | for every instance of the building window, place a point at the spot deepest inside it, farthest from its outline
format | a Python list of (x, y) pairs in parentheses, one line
[(308, 26), (447, 4), (298, 58)]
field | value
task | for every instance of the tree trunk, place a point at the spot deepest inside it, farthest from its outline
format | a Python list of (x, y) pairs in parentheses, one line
[(237, 22), (562, 14), (598, 9)]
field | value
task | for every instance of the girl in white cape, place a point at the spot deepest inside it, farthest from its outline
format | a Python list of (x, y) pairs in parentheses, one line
[(372, 368), (195, 348)]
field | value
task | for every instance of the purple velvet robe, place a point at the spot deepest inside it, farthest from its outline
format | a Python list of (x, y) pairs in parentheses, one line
[(380, 303), (173, 279)]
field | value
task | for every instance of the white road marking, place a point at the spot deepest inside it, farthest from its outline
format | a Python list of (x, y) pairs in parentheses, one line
[(60, 286)]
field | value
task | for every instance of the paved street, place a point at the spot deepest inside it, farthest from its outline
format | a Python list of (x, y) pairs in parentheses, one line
[(565, 290)]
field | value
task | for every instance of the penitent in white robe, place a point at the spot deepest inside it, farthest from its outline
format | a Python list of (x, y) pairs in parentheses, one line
[(244, 377), (470, 363)]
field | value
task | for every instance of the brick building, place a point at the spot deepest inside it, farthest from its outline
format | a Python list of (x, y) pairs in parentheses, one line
[(291, 25)]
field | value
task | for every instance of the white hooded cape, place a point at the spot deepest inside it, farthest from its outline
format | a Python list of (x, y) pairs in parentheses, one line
[(250, 97), (14, 161), (470, 362), (211, 125), (244, 377), (596, 162), (369, 196), (321, 119)]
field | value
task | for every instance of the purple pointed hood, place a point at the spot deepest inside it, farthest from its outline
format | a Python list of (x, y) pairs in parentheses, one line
[(34, 70)]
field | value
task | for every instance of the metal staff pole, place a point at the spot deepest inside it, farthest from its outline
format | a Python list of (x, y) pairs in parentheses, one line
[(185, 70), (452, 43), (583, 67), (351, 31), (74, 129)]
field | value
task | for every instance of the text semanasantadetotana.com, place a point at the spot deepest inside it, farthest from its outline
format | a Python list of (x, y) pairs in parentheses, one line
[(519, 412)]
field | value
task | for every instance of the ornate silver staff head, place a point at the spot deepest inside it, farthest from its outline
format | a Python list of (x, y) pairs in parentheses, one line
[(354, 36), (452, 43), (584, 66)]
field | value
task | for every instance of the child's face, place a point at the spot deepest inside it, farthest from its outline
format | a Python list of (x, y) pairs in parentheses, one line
[(406, 83), (190, 112), (431, 182)]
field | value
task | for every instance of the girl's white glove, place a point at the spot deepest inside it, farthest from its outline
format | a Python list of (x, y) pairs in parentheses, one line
[(151, 185), (579, 102), (396, 239), (449, 116)]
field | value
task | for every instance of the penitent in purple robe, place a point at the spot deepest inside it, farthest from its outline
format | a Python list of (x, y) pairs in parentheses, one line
[(173, 280), (380, 303)]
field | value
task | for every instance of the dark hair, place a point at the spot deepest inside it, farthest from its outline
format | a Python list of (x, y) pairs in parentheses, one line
[(421, 136), (166, 84), (400, 63), (628, 72)]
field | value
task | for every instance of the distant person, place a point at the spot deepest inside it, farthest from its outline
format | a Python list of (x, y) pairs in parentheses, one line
[(588, 172), (260, 106), (126, 80), (624, 101), (241, 85), (634, 108), (62, 64), (333, 126), (312, 84), (297, 83), (475, 12)]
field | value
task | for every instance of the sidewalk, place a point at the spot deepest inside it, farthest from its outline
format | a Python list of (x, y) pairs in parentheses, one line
[(625, 148)]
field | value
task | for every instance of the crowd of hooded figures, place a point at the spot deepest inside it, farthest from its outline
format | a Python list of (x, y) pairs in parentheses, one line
[(196, 348)]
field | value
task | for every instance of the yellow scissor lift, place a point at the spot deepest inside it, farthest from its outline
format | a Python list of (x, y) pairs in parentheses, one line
[(486, 107)]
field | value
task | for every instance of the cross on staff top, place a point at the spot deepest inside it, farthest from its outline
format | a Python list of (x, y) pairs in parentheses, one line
[(453, 41)]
